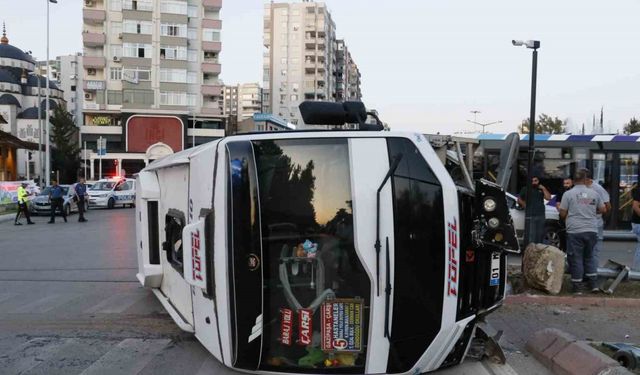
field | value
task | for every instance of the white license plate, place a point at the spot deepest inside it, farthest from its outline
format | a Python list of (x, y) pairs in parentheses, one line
[(494, 279)]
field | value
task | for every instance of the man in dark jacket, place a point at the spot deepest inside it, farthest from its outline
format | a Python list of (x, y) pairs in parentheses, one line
[(56, 197), (81, 195)]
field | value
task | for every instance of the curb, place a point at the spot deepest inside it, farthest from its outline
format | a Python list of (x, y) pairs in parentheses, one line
[(520, 299), (7, 217), (565, 355)]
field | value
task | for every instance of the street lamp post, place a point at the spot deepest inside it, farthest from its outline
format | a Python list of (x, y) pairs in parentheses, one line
[(48, 88), (534, 45), (485, 124)]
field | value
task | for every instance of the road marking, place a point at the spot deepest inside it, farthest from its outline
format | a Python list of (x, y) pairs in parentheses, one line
[(128, 357), (30, 355)]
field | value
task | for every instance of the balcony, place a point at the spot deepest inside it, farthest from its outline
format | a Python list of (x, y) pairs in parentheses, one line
[(218, 133), (212, 90), (94, 85), (211, 68), (211, 24), (95, 62), (211, 46), (94, 16), (90, 39), (212, 4)]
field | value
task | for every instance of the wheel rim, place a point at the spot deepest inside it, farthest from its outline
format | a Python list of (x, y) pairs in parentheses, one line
[(552, 238)]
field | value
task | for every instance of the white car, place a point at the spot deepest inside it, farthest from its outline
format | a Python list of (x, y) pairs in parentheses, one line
[(552, 227), (112, 192)]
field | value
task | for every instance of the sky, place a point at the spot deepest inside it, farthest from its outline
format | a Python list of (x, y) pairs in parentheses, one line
[(427, 64)]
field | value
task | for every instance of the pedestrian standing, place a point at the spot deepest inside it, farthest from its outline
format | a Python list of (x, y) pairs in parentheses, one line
[(81, 196), (23, 206), (56, 194), (567, 184), (580, 207), (635, 225), (538, 194), (606, 200)]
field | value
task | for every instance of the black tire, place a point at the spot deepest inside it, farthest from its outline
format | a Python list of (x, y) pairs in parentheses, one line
[(86, 206), (111, 203), (626, 359), (552, 234)]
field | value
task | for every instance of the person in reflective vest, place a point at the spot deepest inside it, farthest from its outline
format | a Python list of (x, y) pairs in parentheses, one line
[(23, 205)]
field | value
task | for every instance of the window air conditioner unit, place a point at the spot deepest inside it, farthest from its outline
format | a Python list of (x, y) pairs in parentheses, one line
[(88, 3), (91, 72), (120, 36), (116, 59), (88, 96)]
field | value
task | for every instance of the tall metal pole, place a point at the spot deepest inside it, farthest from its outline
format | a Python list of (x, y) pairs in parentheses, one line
[(40, 161), (532, 134), (84, 154), (48, 150)]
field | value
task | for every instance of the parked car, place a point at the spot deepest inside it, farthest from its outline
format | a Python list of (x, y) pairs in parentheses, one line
[(40, 205), (113, 191), (552, 228)]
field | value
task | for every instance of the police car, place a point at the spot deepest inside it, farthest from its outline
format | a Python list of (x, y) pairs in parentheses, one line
[(113, 192)]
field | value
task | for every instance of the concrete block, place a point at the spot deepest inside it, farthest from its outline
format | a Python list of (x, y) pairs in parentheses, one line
[(545, 344), (580, 358), (543, 267)]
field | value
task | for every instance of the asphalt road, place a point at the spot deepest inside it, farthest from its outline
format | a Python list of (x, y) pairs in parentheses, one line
[(70, 304)]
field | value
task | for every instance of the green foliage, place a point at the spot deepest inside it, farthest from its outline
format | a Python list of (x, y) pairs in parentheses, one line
[(545, 125), (633, 126), (65, 156)]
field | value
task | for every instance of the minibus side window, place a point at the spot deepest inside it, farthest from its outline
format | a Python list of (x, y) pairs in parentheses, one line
[(174, 223)]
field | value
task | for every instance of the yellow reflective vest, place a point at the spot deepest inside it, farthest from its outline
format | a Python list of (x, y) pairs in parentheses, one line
[(22, 195)]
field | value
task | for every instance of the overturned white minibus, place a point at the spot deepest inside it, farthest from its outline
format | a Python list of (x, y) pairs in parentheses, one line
[(322, 252)]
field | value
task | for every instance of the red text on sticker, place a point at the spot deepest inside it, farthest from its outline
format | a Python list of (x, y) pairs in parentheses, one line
[(305, 329)]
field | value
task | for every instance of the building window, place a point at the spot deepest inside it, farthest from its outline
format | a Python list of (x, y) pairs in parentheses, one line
[(210, 35), (115, 5), (192, 55), (116, 29), (136, 74), (173, 98), (146, 5), (294, 98), (115, 74), (173, 52), (192, 77), (137, 50), (116, 50), (144, 97), (114, 97), (175, 7), (193, 11), (137, 27), (192, 33), (73, 88), (173, 75), (192, 100), (173, 29)]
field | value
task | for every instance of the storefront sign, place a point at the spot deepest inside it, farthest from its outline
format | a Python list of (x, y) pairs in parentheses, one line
[(342, 325)]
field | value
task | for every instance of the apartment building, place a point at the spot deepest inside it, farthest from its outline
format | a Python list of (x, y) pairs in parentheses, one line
[(299, 61), (66, 71), (347, 75), (243, 100), (151, 78)]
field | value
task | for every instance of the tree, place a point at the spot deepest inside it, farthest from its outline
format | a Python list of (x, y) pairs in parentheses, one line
[(545, 125), (633, 126), (65, 156)]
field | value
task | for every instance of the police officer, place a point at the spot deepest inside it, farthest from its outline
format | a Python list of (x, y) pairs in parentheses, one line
[(22, 205), (56, 200), (81, 192)]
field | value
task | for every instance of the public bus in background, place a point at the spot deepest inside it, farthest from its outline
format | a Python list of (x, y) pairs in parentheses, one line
[(613, 160), (323, 251)]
